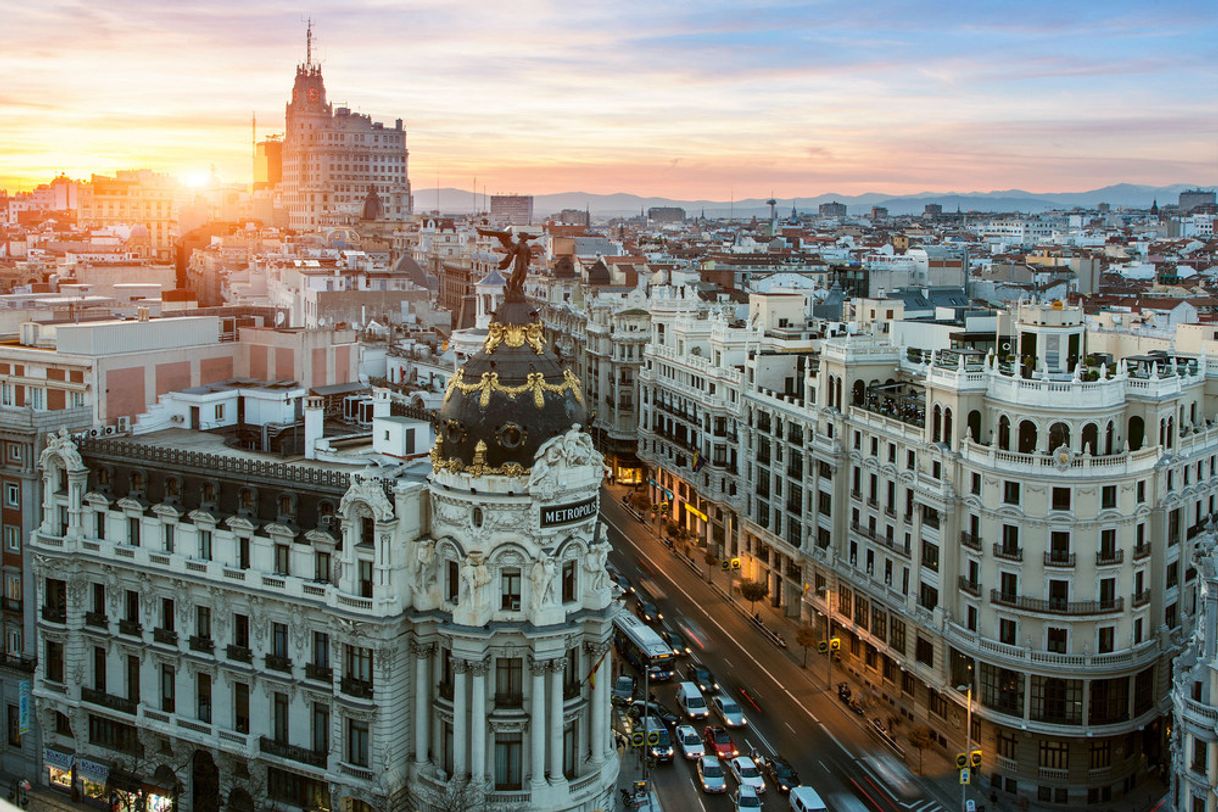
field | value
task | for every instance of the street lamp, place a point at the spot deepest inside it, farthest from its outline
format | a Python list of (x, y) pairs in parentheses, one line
[(968, 732)]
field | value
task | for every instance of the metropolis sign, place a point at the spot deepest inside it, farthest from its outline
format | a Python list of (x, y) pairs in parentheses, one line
[(567, 514)]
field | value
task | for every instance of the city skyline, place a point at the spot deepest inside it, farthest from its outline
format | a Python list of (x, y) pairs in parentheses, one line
[(796, 99)]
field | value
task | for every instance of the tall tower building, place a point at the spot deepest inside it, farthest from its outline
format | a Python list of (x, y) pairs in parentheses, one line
[(332, 157)]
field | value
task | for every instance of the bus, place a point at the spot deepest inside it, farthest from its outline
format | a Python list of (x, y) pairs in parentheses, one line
[(643, 647)]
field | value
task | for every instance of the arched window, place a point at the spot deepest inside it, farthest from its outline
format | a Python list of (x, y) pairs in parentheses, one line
[(1004, 433), (1027, 437), (1108, 438), (947, 426), (858, 392), (1137, 432), (1090, 439), (1171, 432), (935, 433), (1059, 435), (974, 425)]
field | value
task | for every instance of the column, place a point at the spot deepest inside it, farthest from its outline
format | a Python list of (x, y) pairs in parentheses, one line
[(557, 666), (422, 700), (600, 703), (477, 723), (537, 723), (460, 720)]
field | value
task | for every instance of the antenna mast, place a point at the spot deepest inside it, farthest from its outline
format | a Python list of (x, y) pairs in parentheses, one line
[(309, 43)]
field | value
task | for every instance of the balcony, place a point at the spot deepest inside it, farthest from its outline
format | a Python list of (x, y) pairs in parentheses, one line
[(1008, 552), (514, 700), (971, 587), (278, 662), (131, 628), (55, 614), (321, 673), (110, 701), (1141, 552), (1109, 557), (1140, 599), (1059, 558), (240, 653), (17, 661), (357, 687), (97, 620), (203, 644), (167, 636), (1057, 606), (313, 758), (970, 540)]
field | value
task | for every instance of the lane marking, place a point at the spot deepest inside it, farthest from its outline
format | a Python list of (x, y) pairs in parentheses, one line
[(788, 724), (726, 661)]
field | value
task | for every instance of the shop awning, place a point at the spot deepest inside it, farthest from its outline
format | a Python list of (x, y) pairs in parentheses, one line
[(58, 758)]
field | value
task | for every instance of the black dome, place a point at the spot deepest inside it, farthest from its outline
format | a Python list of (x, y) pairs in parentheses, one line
[(507, 400)]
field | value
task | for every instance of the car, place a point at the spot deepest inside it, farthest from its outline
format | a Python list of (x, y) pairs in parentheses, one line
[(778, 772), (622, 581), (680, 648), (729, 710), (622, 691), (746, 799), (649, 612), (701, 676), (690, 741), (806, 799), (710, 775), (719, 742), (661, 749), (691, 701), (745, 771), (639, 707)]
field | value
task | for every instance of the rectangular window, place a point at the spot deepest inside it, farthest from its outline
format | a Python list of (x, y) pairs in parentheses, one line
[(133, 531), (321, 727), (241, 630), (279, 717), (1054, 755), (1056, 639), (169, 688), (975, 484), (167, 619), (14, 726), (203, 697), (1061, 498), (12, 495), (241, 707), (1007, 742), (930, 556), (279, 639), (282, 556), (357, 743), (1107, 639), (12, 538), (133, 678), (453, 582), (1108, 497), (365, 577), (321, 649), (100, 524), (203, 622), (205, 545), (509, 681), (508, 761), (168, 531), (1010, 493), (321, 567), (99, 669), (132, 606), (359, 663), (99, 599), (925, 651), (243, 553), (568, 581), (509, 586)]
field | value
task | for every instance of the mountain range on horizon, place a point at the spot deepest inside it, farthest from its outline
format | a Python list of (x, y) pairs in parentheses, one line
[(1128, 195)]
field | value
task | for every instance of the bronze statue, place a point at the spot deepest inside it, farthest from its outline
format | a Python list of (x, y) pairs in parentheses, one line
[(516, 256)]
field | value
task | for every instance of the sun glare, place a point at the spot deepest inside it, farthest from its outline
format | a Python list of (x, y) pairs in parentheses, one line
[(196, 180)]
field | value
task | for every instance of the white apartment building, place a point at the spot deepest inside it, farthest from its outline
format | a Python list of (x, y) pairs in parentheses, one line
[(1195, 697), (963, 520), (426, 632)]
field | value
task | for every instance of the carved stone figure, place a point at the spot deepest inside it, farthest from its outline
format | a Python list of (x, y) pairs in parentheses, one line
[(594, 564), (424, 565), (476, 576), (542, 576)]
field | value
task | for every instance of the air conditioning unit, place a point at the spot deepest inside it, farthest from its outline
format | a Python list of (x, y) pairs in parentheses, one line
[(124, 423)]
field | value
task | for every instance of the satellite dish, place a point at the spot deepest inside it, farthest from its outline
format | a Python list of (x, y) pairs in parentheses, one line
[(280, 318)]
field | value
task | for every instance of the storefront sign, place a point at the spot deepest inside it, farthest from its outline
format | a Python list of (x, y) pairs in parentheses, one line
[(666, 492), (568, 513), (57, 758), (23, 707), (691, 509), (92, 771)]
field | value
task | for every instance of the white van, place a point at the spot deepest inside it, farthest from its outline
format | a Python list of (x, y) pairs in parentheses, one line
[(692, 703), (805, 799)]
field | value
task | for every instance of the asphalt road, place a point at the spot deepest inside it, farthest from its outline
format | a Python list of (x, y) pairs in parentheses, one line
[(788, 709)]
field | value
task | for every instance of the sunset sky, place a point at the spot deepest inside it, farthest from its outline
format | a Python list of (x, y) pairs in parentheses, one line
[(682, 99)]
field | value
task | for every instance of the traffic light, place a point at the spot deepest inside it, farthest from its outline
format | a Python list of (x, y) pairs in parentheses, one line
[(822, 646), (735, 563), (725, 564), (637, 738), (974, 758), (653, 738), (961, 761), (835, 643)]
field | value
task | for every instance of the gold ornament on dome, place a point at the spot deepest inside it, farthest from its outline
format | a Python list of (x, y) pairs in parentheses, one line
[(514, 335), (535, 383), (478, 467)]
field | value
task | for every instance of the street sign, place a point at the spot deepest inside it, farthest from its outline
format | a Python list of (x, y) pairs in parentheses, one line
[(966, 776)]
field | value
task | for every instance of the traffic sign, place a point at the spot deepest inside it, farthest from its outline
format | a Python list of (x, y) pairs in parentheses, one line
[(966, 776), (636, 738)]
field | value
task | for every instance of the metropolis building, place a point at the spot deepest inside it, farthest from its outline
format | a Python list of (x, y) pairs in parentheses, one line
[(961, 518), (379, 628), (334, 159)]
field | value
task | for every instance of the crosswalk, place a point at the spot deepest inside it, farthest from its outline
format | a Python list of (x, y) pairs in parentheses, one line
[(925, 805)]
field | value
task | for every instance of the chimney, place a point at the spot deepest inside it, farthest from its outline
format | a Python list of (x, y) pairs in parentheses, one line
[(380, 402), (314, 425)]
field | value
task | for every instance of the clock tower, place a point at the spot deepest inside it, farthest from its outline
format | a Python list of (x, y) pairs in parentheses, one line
[(309, 90)]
